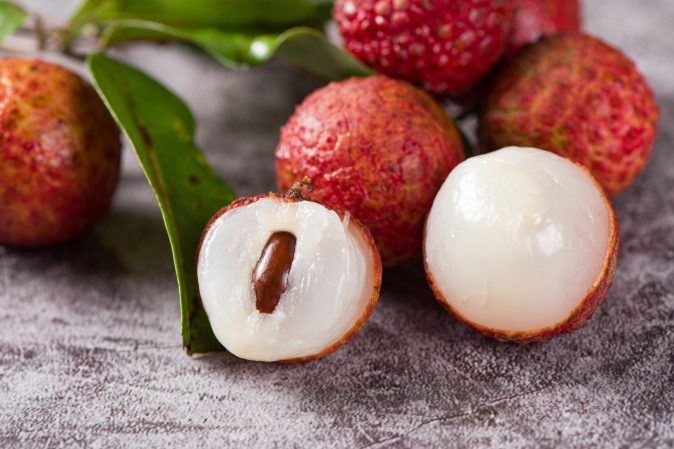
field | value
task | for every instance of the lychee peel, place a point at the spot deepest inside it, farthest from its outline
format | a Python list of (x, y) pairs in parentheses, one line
[(538, 18), (580, 98), (376, 147), (59, 154), (446, 46)]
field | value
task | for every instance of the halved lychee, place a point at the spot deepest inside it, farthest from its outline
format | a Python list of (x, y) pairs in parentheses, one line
[(521, 244), (286, 279)]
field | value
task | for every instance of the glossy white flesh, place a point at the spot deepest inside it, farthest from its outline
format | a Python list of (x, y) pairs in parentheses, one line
[(516, 238), (330, 282)]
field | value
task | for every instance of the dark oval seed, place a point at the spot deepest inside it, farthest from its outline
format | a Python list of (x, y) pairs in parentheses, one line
[(270, 277)]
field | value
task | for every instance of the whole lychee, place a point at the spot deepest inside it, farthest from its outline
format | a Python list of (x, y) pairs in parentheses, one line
[(285, 279), (446, 46), (59, 154), (538, 18), (376, 147), (521, 244), (580, 98)]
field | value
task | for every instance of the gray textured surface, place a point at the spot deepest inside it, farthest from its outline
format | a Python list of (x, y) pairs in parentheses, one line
[(90, 351)]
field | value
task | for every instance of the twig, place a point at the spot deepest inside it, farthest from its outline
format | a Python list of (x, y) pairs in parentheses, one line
[(41, 37), (40, 32)]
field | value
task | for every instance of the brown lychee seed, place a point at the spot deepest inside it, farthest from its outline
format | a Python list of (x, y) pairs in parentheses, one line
[(286, 279), (376, 147), (270, 277), (576, 96), (59, 154), (521, 244)]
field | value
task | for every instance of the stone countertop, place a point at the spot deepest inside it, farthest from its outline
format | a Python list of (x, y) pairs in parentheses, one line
[(90, 347)]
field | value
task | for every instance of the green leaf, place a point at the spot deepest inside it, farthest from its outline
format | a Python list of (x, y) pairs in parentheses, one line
[(220, 14), (11, 18), (161, 130), (304, 47), (311, 51)]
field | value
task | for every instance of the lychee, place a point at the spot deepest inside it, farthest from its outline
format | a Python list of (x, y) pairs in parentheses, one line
[(59, 154), (521, 244), (580, 98), (538, 18), (285, 279), (376, 147), (446, 46)]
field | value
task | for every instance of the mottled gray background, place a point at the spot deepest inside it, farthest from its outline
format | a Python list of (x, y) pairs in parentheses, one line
[(90, 348)]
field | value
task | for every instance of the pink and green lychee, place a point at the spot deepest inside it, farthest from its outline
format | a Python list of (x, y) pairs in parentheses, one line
[(576, 96), (59, 154)]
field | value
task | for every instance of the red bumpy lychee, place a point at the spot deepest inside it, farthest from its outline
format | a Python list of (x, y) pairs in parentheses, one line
[(376, 147), (576, 96), (446, 46), (59, 154), (538, 18)]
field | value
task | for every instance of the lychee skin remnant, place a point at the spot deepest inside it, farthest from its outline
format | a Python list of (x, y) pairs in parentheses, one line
[(59, 154), (446, 46), (580, 98), (538, 18), (376, 147)]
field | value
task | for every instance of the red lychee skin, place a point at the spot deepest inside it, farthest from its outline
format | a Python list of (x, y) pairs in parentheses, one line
[(377, 147), (446, 46), (576, 96), (578, 317), (355, 225), (538, 18), (59, 154)]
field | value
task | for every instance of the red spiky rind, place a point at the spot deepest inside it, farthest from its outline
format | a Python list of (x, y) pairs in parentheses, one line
[(535, 19), (354, 225), (576, 96), (579, 315), (446, 46), (376, 147), (59, 155)]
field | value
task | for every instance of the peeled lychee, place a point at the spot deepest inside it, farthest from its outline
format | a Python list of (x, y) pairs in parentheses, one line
[(286, 279), (376, 147), (446, 46), (538, 18), (59, 154), (521, 244), (580, 98)]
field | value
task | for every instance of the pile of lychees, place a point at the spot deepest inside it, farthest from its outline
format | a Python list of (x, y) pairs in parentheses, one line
[(519, 243)]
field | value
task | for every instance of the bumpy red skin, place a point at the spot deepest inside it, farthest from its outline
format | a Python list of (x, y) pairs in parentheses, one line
[(576, 96), (446, 46), (59, 154), (538, 18), (376, 147), (578, 316), (355, 226)]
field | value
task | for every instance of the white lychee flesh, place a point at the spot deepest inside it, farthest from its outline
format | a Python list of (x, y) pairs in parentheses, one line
[(516, 239), (331, 286)]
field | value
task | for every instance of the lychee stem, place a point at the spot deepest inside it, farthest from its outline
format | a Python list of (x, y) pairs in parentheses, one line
[(299, 189)]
